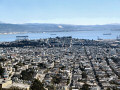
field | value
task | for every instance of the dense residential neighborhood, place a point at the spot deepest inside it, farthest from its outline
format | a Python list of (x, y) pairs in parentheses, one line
[(61, 63)]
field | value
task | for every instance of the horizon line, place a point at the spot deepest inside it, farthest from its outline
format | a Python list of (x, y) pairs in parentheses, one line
[(61, 23)]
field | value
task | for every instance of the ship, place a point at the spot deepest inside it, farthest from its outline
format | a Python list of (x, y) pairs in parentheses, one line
[(107, 34), (99, 38), (52, 34), (118, 37)]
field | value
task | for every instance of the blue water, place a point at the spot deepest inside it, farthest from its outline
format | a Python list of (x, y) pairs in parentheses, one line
[(75, 34)]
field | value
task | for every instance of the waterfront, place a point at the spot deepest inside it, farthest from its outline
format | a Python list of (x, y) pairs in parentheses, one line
[(75, 34)]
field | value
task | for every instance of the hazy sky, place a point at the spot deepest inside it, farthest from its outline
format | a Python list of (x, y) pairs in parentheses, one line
[(82, 12)]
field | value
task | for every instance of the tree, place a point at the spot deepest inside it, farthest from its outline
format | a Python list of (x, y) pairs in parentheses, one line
[(20, 64), (51, 87), (37, 85), (3, 59), (28, 74), (108, 89), (68, 81), (85, 87), (62, 67), (42, 66), (1, 71), (14, 88), (84, 75), (56, 79), (115, 88)]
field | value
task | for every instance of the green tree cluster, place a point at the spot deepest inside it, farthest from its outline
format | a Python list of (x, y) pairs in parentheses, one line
[(27, 74), (1, 71), (56, 79), (42, 66), (37, 85), (85, 87)]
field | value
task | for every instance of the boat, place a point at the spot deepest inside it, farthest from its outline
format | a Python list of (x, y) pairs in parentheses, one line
[(107, 34), (52, 34), (99, 38), (118, 37)]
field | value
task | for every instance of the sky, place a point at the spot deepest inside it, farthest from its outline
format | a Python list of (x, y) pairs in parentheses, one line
[(79, 12)]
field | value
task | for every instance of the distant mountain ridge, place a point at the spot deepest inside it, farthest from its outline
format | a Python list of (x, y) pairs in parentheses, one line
[(36, 27)]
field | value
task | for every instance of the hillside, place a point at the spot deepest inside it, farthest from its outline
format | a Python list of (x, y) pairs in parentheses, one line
[(53, 27)]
